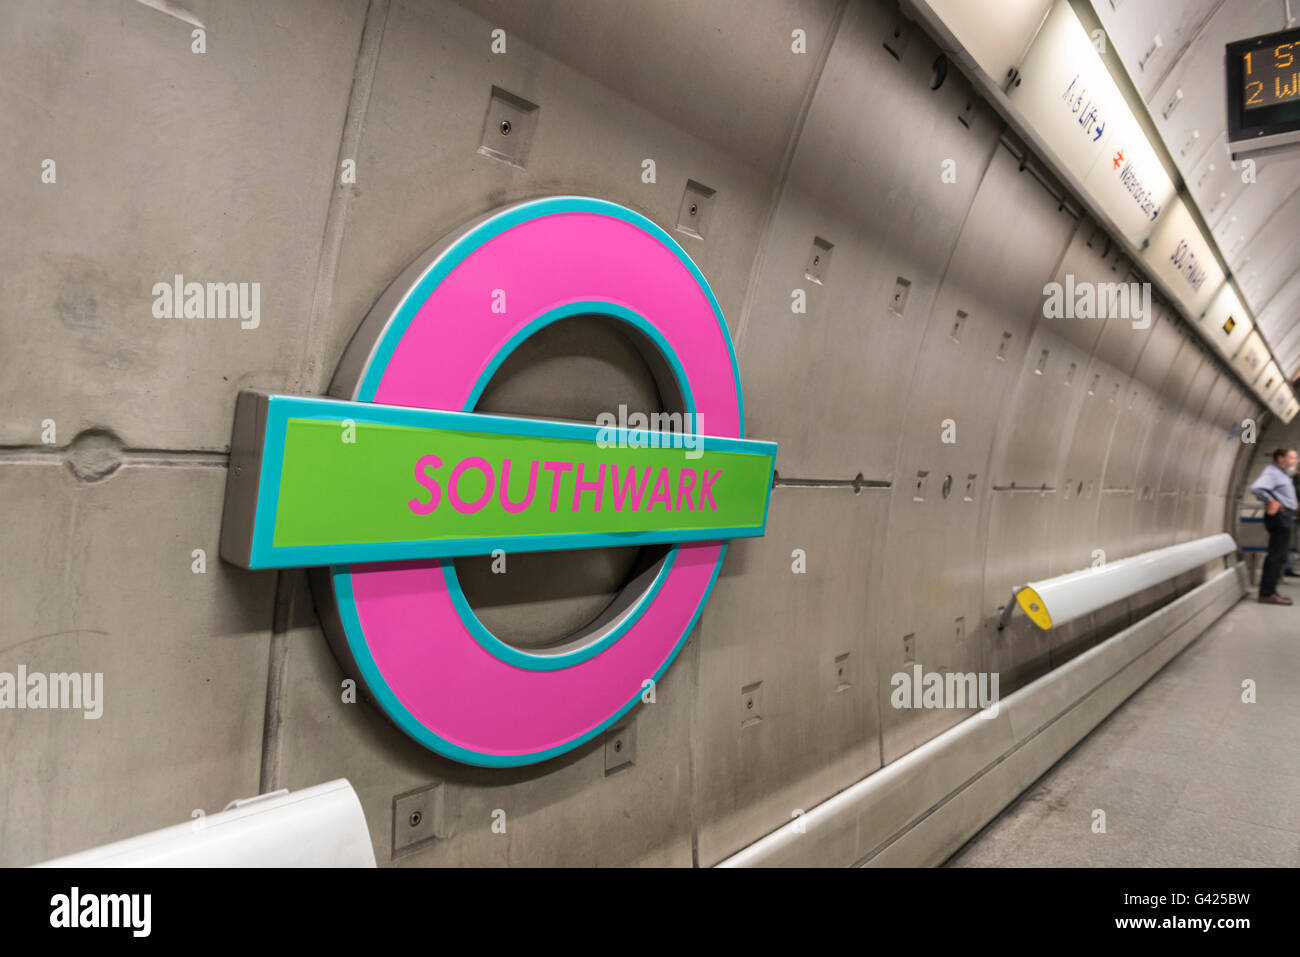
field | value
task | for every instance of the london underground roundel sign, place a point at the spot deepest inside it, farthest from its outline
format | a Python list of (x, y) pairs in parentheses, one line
[(380, 486)]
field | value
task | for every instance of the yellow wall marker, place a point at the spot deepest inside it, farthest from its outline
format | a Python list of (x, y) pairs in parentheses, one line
[(1034, 608)]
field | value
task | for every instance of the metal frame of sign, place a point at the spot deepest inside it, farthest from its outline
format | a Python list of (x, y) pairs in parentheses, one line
[(1267, 129)]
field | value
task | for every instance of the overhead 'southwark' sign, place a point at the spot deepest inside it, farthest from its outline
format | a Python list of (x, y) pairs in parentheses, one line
[(325, 481)]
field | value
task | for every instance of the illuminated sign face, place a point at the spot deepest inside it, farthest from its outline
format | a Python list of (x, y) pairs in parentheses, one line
[(1270, 76), (1263, 77), (379, 486)]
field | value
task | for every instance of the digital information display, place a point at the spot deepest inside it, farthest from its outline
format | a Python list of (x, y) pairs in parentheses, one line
[(1263, 87), (1270, 76)]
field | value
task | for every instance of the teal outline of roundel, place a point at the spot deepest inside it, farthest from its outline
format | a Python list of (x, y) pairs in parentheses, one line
[(411, 302)]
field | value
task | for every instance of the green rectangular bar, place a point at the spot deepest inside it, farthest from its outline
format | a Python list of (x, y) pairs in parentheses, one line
[(316, 481), (391, 483)]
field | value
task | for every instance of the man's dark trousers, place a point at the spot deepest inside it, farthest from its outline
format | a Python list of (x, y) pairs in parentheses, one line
[(1279, 540)]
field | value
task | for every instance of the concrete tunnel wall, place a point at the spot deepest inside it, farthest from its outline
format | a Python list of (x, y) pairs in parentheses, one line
[(1071, 435)]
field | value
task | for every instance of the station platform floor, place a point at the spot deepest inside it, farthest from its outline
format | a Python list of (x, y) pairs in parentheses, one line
[(1188, 775)]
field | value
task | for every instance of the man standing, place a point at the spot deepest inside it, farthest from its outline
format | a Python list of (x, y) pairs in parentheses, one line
[(1275, 489), (1291, 572)]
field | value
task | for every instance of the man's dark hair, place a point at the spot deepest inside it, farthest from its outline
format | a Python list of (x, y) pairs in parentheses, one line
[(1279, 454)]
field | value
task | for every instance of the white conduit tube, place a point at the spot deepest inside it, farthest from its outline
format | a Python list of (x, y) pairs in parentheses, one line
[(321, 826), (1055, 601)]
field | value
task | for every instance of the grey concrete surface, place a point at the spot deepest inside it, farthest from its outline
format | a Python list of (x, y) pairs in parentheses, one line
[(215, 166), (99, 579)]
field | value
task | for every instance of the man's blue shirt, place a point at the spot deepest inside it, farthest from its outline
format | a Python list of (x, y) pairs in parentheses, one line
[(1274, 482)]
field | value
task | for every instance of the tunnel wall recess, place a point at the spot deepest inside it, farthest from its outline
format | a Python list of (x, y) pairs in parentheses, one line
[(940, 441)]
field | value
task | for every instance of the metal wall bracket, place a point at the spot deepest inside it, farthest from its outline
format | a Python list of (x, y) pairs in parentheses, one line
[(1008, 609)]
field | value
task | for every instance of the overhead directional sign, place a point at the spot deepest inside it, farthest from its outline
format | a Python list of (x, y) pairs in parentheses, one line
[(1067, 95)]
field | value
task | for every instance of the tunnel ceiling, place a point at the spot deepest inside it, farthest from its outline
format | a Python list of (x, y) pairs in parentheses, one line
[(1174, 55)]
